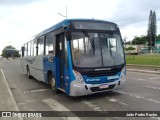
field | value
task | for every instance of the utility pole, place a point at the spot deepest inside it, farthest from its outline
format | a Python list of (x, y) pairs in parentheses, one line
[(62, 14)]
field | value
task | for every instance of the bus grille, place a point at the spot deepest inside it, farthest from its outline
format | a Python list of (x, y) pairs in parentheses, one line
[(95, 89), (102, 73), (100, 82)]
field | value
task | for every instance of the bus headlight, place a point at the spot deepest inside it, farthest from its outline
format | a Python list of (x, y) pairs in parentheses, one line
[(78, 76), (123, 73)]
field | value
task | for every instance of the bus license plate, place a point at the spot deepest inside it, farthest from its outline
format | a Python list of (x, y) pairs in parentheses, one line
[(103, 86)]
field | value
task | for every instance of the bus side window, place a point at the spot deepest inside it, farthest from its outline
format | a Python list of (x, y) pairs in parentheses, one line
[(50, 44), (40, 46), (25, 49), (29, 48), (32, 49), (22, 49), (35, 50)]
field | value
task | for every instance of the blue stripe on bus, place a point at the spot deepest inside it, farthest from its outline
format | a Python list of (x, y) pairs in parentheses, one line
[(70, 68), (48, 66)]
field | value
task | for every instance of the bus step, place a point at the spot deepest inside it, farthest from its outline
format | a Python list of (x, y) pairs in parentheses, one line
[(61, 89)]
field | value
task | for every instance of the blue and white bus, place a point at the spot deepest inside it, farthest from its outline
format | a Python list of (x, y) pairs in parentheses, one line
[(77, 56)]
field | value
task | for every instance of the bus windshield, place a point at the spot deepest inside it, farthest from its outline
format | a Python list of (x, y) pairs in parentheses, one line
[(91, 50)]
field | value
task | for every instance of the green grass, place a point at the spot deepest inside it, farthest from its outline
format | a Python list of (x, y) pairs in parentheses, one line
[(143, 59)]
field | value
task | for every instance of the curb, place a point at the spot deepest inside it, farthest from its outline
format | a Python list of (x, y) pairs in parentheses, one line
[(144, 71), (143, 68), (143, 65)]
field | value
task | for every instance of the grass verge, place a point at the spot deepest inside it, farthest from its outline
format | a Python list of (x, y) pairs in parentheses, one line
[(143, 59)]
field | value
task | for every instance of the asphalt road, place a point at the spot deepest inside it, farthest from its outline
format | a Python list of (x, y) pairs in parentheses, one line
[(141, 94)]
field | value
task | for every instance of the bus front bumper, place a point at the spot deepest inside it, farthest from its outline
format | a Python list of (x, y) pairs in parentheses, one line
[(79, 89)]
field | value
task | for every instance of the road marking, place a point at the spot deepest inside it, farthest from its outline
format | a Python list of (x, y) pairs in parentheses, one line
[(155, 101), (117, 118), (115, 100), (28, 101), (130, 94), (123, 103), (56, 106), (21, 103), (91, 105), (32, 91), (156, 118), (156, 88), (140, 79), (137, 79), (154, 78), (139, 96)]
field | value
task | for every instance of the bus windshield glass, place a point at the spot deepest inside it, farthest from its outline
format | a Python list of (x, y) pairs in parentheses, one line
[(91, 50)]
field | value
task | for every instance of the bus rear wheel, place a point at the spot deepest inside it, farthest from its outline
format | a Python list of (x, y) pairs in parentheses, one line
[(53, 83), (28, 73)]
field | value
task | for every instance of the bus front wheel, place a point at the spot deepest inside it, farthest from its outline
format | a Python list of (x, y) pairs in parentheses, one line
[(53, 83)]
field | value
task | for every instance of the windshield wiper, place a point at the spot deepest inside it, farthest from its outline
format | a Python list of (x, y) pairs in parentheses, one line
[(111, 52), (91, 40)]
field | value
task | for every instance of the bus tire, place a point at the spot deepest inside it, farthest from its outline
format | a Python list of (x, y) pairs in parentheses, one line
[(28, 73), (53, 83)]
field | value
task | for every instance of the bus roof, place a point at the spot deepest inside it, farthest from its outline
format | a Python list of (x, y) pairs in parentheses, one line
[(66, 23)]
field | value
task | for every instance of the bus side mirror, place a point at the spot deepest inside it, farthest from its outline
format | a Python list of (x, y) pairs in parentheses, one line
[(65, 28), (22, 49), (68, 34)]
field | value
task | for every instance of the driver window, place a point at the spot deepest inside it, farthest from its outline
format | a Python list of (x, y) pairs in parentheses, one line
[(50, 44)]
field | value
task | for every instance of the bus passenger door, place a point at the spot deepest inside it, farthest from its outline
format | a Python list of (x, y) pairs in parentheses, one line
[(60, 53)]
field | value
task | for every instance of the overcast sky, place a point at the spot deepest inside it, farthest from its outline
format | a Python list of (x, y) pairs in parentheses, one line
[(22, 19)]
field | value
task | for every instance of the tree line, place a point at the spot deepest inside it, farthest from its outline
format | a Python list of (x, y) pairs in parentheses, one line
[(141, 40), (10, 51)]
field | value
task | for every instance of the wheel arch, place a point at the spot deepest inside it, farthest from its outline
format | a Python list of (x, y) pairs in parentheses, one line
[(49, 72), (28, 72)]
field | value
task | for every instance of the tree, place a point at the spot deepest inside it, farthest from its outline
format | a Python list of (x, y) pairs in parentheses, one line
[(10, 51), (152, 30), (130, 49), (139, 40), (158, 37), (128, 43)]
